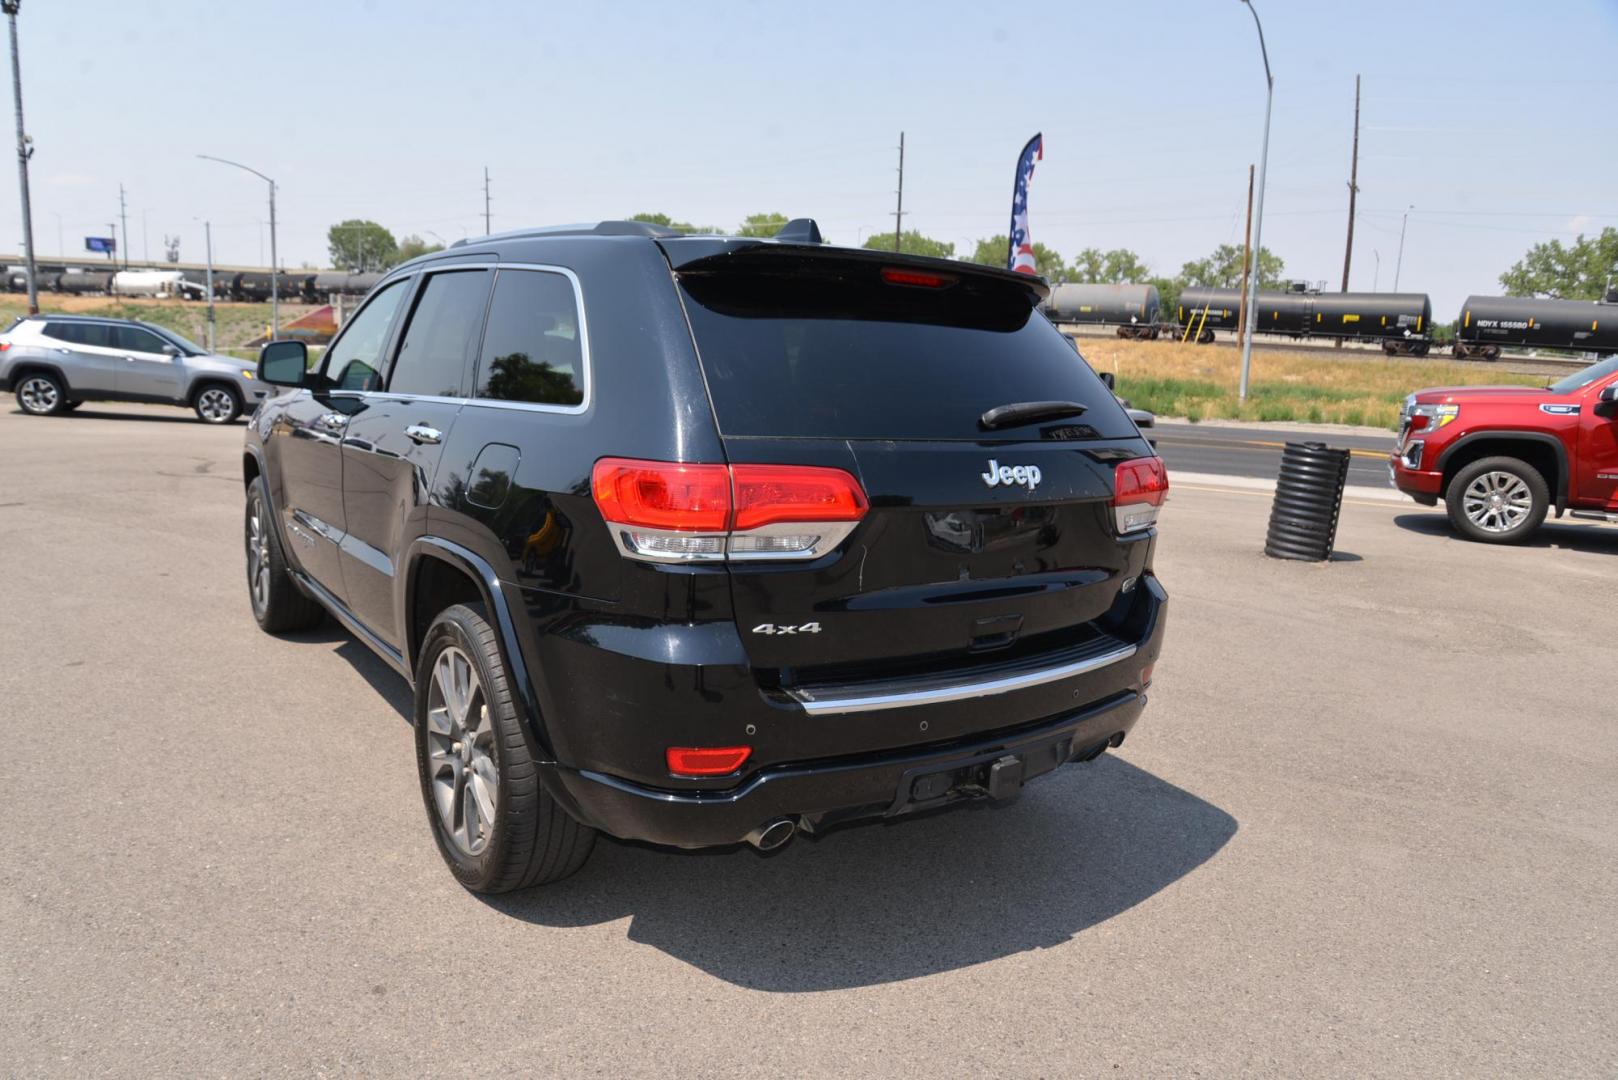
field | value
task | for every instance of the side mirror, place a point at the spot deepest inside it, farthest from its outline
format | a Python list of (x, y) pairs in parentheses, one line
[(283, 363), (1109, 380), (1609, 396), (171, 350)]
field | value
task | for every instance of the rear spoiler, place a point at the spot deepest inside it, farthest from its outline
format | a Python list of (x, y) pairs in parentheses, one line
[(711, 254)]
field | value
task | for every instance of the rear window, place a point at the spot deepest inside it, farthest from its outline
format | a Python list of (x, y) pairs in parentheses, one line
[(836, 351)]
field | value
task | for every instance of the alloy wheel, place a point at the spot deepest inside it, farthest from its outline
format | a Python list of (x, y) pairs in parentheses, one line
[(216, 405), (460, 752), (1497, 502), (38, 395), (258, 556)]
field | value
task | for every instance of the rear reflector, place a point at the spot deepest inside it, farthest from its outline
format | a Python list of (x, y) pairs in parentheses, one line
[(895, 275), (665, 511), (706, 760), (1139, 487)]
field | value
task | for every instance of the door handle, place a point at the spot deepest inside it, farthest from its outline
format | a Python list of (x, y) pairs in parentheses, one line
[(421, 433), (334, 420), (131, 359), (60, 350)]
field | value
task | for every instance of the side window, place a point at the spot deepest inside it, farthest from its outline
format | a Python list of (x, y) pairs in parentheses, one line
[(63, 332), (533, 349), (135, 339), (443, 332), (354, 362)]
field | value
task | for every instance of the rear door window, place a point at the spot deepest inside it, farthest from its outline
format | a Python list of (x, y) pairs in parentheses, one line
[(837, 350), (134, 339), (436, 350), (533, 349), (354, 362), (96, 334)]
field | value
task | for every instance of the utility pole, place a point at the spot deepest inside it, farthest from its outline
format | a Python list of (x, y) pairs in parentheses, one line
[(1376, 277), (112, 256), (123, 215), (25, 150), (213, 337), (1400, 262), (487, 230), (1353, 190), (899, 211), (145, 248), (1247, 257)]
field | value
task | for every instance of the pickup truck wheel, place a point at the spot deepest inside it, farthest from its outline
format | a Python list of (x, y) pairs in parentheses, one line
[(41, 394), (1498, 500), (494, 822), (217, 404), (278, 604)]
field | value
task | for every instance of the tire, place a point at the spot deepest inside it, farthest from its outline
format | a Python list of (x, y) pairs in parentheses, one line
[(70, 406), (39, 393), (278, 604), (494, 837), (216, 403), (1497, 500)]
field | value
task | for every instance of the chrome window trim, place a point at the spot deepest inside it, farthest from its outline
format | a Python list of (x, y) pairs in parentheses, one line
[(960, 690), (587, 366)]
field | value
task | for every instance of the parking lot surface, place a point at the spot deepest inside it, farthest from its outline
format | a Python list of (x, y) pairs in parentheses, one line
[(1366, 827)]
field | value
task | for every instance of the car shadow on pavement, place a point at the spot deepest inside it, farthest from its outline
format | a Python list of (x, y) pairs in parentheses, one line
[(389, 685), (1553, 534), (873, 904), (179, 416)]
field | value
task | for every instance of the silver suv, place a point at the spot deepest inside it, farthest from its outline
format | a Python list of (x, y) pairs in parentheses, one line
[(54, 363)]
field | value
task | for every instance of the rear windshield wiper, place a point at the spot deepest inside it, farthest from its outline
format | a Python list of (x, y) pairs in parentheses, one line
[(1026, 412)]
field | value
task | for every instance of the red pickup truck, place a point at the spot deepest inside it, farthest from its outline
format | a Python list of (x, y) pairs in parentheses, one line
[(1501, 457)]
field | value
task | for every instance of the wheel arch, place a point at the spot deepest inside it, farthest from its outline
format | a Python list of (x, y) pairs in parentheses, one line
[(201, 382), (1544, 452), (23, 367), (439, 570)]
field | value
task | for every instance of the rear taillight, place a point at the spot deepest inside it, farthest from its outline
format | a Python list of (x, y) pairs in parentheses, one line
[(669, 512), (1139, 486), (4, 345), (921, 279)]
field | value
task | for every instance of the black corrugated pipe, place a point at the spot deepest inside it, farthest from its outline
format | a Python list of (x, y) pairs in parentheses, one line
[(1308, 498)]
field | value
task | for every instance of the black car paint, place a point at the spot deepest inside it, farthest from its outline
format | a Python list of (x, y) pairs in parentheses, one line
[(616, 659)]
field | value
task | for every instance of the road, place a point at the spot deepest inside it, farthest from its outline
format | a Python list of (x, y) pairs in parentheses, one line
[(1256, 452), (1365, 828)]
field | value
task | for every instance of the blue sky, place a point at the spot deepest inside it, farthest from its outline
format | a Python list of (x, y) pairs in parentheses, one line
[(1494, 119)]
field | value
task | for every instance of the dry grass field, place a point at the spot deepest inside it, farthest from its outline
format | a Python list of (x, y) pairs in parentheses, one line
[(238, 323), (1199, 382)]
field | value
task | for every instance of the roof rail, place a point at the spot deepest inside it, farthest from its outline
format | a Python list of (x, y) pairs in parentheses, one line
[(599, 228)]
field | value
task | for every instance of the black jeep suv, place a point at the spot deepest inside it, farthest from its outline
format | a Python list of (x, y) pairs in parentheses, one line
[(698, 540)]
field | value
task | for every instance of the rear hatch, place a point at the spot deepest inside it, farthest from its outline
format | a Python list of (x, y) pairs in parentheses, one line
[(983, 544)]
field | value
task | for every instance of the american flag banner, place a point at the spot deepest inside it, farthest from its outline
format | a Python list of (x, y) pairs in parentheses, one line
[(1020, 252)]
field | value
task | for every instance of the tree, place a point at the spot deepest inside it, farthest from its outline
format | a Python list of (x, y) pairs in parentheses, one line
[(992, 252), (762, 225), (1223, 269), (678, 226), (357, 244), (1168, 297), (1115, 267), (1565, 272), (911, 242), (411, 246)]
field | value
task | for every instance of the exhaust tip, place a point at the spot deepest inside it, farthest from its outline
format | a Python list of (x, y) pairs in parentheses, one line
[(773, 834)]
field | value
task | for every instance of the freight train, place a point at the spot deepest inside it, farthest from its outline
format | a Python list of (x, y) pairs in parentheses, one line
[(192, 284), (1133, 309), (1489, 322), (1401, 322)]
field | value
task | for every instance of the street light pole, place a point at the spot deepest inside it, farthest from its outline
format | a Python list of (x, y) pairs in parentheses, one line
[(24, 152), (1258, 215), (1400, 262), (1378, 276), (213, 336), (275, 285)]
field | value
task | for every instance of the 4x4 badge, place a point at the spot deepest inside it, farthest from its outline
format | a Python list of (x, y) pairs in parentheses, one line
[(1026, 475)]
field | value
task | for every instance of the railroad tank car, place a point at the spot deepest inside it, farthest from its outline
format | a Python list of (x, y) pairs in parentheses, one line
[(79, 283), (1133, 309), (146, 282), (252, 285), (1401, 321), (1489, 323)]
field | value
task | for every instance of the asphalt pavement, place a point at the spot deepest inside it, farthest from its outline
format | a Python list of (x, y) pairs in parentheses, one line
[(1256, 452), (1365, 828)]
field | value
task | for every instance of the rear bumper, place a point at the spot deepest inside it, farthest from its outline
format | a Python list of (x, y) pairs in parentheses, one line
[(1042, 718), (819, 795)]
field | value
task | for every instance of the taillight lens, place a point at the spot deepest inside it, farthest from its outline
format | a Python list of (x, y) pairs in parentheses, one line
[(921, 279), (1139, 487), (707, 760), (669, 512), (663, 494)]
